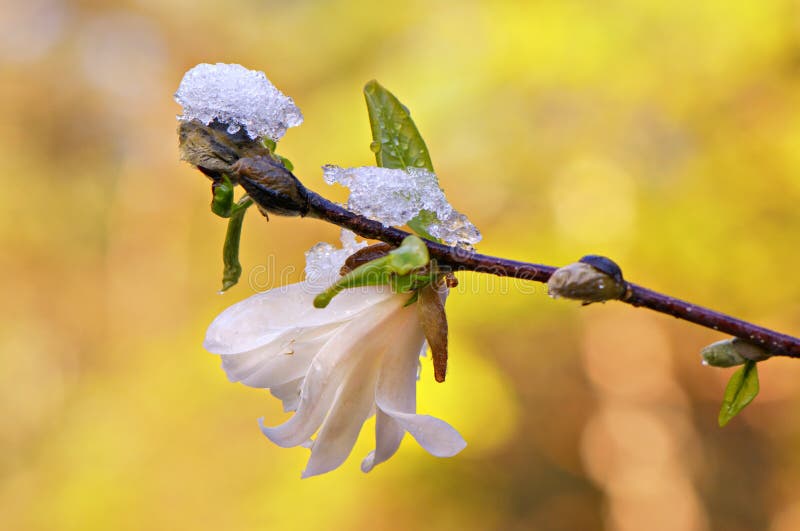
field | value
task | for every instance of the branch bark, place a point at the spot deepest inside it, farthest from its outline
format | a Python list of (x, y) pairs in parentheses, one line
[(459, 259)]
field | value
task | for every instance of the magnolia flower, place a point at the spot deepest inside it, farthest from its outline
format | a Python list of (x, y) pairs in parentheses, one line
[(334, 367)]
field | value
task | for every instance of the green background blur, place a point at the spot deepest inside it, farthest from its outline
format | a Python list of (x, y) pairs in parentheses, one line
[(663, 134)]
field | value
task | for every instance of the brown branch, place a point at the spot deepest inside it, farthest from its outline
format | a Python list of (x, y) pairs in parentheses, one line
[(464, 260)]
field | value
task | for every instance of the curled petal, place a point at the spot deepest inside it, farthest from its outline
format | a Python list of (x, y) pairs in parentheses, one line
[(346, 348), (263, 318), (439, 438), (397, 381), (352, 407), (388, 436), (267, 367), (396, 398), (396, 389), (288, 393)]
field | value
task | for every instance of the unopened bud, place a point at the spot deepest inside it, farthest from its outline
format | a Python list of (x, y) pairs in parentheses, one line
[(592, 279), (273, 188), (213, 150), (732, 352)]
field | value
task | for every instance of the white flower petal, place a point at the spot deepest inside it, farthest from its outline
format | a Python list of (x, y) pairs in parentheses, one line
[(340, 430), (396, 397), (388, 436), (348, 346), (396, 388), (397, 384), (267, 369), (288, 393), (264, 317), (439, 438)]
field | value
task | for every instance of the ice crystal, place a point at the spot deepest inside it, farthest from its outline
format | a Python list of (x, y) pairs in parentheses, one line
[(237, 97), (323, 261), (395, 197)]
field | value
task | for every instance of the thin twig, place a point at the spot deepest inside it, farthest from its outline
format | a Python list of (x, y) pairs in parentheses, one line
[(464, 260)]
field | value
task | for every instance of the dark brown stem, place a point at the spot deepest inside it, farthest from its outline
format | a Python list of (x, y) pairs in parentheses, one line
[(464, 260)]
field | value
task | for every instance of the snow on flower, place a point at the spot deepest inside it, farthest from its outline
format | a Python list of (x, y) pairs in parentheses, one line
[(334, 367)]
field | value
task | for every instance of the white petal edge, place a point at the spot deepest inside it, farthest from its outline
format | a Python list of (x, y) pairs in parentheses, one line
[(388, 436), (436, 436), (396, 387), (268, 370), (264, 317), (353, 405), (348, 346), (288, 393)]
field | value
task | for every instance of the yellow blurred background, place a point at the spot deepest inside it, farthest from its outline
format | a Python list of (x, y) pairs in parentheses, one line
[(663, 134)]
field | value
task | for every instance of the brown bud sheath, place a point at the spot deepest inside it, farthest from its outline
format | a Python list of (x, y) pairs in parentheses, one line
[(272, 186), (362, 256), (585, 282), (434, 324), (213, 150)]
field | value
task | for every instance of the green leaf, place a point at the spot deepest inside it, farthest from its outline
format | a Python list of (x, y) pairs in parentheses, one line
[(395, 268), (396, 142), (271, 145), (232, 269), (741, 390), (374, 273), (412, 254), (286, 162), (222, 203)]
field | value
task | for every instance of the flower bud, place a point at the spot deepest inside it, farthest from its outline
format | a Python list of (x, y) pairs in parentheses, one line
[(273, 188), (593, 279), (732, 352), (213, 150), (604, 264)]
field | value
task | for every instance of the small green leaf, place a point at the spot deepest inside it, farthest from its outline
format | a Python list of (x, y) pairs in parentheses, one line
[(222, 203), (412, 254), (232, 269), (374, 273), (741, 390), (395, 268), (286, 162), (269, 144), (396, 142)]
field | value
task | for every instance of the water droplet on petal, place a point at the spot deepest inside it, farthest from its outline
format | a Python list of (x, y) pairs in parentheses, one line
[(375, 147)]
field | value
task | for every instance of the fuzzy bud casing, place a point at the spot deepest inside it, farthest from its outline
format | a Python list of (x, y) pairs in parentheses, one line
[(273, 188), (585, 282), (731, 352), (213, 150)]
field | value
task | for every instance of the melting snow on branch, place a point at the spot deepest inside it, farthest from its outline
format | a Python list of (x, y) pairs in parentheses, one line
[(238, 97), (395, 197)]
